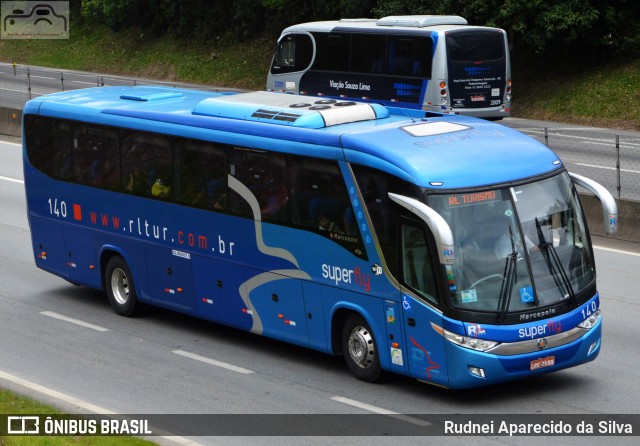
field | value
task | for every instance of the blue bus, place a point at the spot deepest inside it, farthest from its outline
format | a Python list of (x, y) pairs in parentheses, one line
[(446, 248), (429, 62)]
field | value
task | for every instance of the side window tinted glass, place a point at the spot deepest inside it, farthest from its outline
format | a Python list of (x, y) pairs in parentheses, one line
[(95, 157), (147, 165), (49, 145), (417, 265), (265, 175), (368, 54), (410, 56), (320, 202), (202, 175), (293, 53), (332, 52)]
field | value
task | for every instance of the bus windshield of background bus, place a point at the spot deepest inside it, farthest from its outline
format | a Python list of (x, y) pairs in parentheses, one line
[(517, 248)]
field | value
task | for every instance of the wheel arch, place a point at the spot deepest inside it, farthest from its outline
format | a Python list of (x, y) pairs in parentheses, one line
[(109, 251), (339, 314)]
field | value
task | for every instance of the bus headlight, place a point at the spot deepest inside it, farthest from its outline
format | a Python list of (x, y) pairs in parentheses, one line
[(591, 321), (481, 345)]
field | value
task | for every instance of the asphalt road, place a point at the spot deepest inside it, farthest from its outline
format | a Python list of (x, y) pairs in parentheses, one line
[(63, 344)]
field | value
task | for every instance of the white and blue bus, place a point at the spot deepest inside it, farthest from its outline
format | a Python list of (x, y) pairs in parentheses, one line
[(450, 249), (433, 63)]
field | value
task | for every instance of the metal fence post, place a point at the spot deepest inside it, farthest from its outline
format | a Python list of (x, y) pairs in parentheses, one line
[(29, 82), (546, 137), (62, 80), (619, 187)]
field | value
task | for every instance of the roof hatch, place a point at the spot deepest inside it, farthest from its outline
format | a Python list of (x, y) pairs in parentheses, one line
[(434, 128), (149, 97), (285, 109), (421, 21)]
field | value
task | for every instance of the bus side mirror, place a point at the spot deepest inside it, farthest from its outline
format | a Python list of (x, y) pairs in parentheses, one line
[(609, 206), (438, 226)]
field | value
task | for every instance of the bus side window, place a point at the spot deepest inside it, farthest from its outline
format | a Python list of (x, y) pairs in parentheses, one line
[(265, 174), (293, 53), (41, 135), (202, 175), (320, 203), (368, 54), (316, 195), (417, 265), (332, 51), (147, 165), (410, 56), (95, 157)]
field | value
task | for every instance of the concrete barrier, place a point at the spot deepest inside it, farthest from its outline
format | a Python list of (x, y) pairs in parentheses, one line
[(10, 121), (628, 218)]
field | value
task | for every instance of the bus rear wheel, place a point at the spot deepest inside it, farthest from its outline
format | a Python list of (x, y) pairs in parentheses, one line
[(359, 349), (119, 286)]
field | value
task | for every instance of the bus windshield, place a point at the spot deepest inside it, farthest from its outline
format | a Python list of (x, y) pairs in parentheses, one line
[(517, 248)]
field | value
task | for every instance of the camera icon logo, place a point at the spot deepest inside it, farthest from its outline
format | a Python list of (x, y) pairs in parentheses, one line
[(35, 20)]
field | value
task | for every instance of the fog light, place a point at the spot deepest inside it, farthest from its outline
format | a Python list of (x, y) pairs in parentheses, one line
[(477, 371)]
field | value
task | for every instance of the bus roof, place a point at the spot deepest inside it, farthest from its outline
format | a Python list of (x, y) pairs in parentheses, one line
[(448, 151), (391, 24)]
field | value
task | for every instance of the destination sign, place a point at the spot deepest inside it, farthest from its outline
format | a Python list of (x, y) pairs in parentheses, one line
[(476, 197)]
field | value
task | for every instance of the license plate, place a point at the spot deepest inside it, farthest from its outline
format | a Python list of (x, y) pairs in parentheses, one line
[(477, 98), (542, 363)]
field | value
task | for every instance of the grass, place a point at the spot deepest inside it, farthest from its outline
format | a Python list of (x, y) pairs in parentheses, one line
[(132, 53), (13, 404), (606, 95)]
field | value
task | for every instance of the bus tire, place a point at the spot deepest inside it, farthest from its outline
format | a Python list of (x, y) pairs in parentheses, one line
[(119, 286), (360, 350)]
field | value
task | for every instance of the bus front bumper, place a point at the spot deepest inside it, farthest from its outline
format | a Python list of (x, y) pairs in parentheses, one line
[(469, 368)]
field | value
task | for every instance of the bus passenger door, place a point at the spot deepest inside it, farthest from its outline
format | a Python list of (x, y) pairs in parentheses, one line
[(425, 346), (426, 350), (170, 278)]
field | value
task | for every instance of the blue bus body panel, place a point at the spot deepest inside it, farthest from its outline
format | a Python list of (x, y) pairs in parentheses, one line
[(453, 158), (271, 279)]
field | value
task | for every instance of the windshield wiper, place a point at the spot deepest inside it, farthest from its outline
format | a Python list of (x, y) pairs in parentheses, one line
[(510, 277), (555, 266)]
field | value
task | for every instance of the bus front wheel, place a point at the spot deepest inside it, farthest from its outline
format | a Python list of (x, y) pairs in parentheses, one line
[(119, 286), (359, 349)]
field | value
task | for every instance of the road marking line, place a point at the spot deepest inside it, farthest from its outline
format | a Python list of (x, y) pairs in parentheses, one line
[(76, 402), (618, 251), (14, 180), (55, 394), (605, 167), (379, 410), (204, 359), (596, 141), (73, 321)]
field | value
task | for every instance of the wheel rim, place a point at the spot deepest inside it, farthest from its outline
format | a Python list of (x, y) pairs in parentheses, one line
[(361, 347), (120, 286)]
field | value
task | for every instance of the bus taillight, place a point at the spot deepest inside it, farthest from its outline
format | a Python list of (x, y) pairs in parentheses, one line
[(443, 92)]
